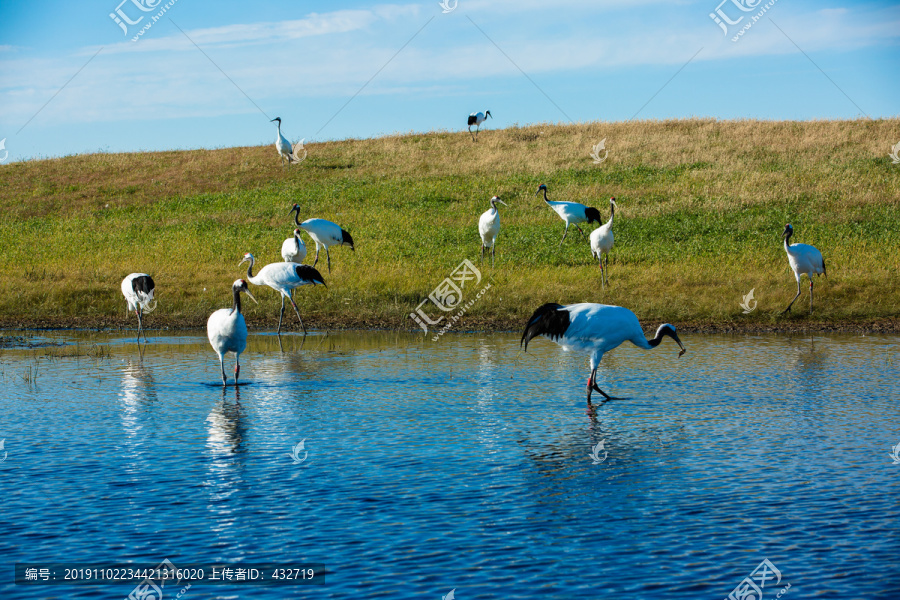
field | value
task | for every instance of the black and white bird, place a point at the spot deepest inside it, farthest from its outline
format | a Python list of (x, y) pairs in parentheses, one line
[(571, 212), (593, 328), (324, 233), (489, 227), (283, 277), (804, 259), (227, 330), (602, 241), (293, 249), (476, 119), (138, 289), (285, 150)]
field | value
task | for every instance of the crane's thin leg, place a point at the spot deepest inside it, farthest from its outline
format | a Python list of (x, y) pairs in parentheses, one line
[(810, 297), (482, 253), (280, 315), (328, 258), (222, 365), (137, 311), (580, 231), (494, 247), (564, 235), (237, 368), (297, 312), (795, 298), (602, 282), (606, 270), (592, 384), (317, 255)]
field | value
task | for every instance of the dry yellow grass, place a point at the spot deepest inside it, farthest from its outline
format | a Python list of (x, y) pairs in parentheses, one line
[(701, 207)]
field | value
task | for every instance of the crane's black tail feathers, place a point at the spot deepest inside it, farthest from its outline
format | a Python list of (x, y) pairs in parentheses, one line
[(347, 240), (550, 319), (309, 275), (471, 120)]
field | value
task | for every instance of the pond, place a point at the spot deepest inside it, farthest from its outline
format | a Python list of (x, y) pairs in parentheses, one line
[(462, 466)]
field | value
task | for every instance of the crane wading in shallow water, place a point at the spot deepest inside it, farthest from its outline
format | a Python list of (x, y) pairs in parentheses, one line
[(138, 289), (489, 227), (324, 233), (571, 212), (803, 258), (593, 328), (476, 119), (285, 150), (602, 241), (293, 249), (227, 330), (283, 277)]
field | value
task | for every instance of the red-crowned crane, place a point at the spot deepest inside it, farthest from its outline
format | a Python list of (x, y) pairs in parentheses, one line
[(593, 328), (324, 233), (285, 150), (803, 259), (283, 277), (293, 249), (571, 212), (227, 330), (489, 227), (602, 241), (138, 289), (476, 119)]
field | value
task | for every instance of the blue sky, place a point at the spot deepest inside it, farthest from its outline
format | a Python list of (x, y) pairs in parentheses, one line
[(582, 61)]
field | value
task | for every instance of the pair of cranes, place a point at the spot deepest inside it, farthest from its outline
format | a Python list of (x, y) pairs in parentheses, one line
[(572, 213), (291, 153)]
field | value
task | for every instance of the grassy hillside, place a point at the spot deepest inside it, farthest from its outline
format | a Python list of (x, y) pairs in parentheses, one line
[(701, 206)]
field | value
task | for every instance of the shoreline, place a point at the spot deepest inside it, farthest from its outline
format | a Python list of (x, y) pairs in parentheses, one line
[(789, 326)]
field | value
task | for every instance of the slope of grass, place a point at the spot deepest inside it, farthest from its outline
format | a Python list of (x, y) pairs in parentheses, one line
[(701, 206)]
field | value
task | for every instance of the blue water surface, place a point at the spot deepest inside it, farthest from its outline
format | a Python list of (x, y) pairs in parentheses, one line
[(462, 464)]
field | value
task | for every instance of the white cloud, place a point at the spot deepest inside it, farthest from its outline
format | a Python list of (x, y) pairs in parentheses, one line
[(334, 54)]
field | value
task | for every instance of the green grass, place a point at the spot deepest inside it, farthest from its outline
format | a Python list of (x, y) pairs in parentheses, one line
[(701, 206)]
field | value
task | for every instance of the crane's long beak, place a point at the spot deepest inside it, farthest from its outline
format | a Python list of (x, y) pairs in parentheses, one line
[(502, 202), (249, 295), (243, 260), (680, 345)]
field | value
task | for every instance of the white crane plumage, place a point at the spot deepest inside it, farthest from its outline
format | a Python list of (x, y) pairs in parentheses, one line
[(476, 119), (804, 259), (572, 213), (324, 233), (602, 241), (283, 277), (489, 227), (593, 328), (285, 150), (227, 330), (138, 289), (293, 249)]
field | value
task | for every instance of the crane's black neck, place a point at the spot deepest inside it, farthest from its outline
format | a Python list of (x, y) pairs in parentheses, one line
[(237, 300), (546, 199), (297, 217), (297, 241), (663, 331), (250, 268)]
